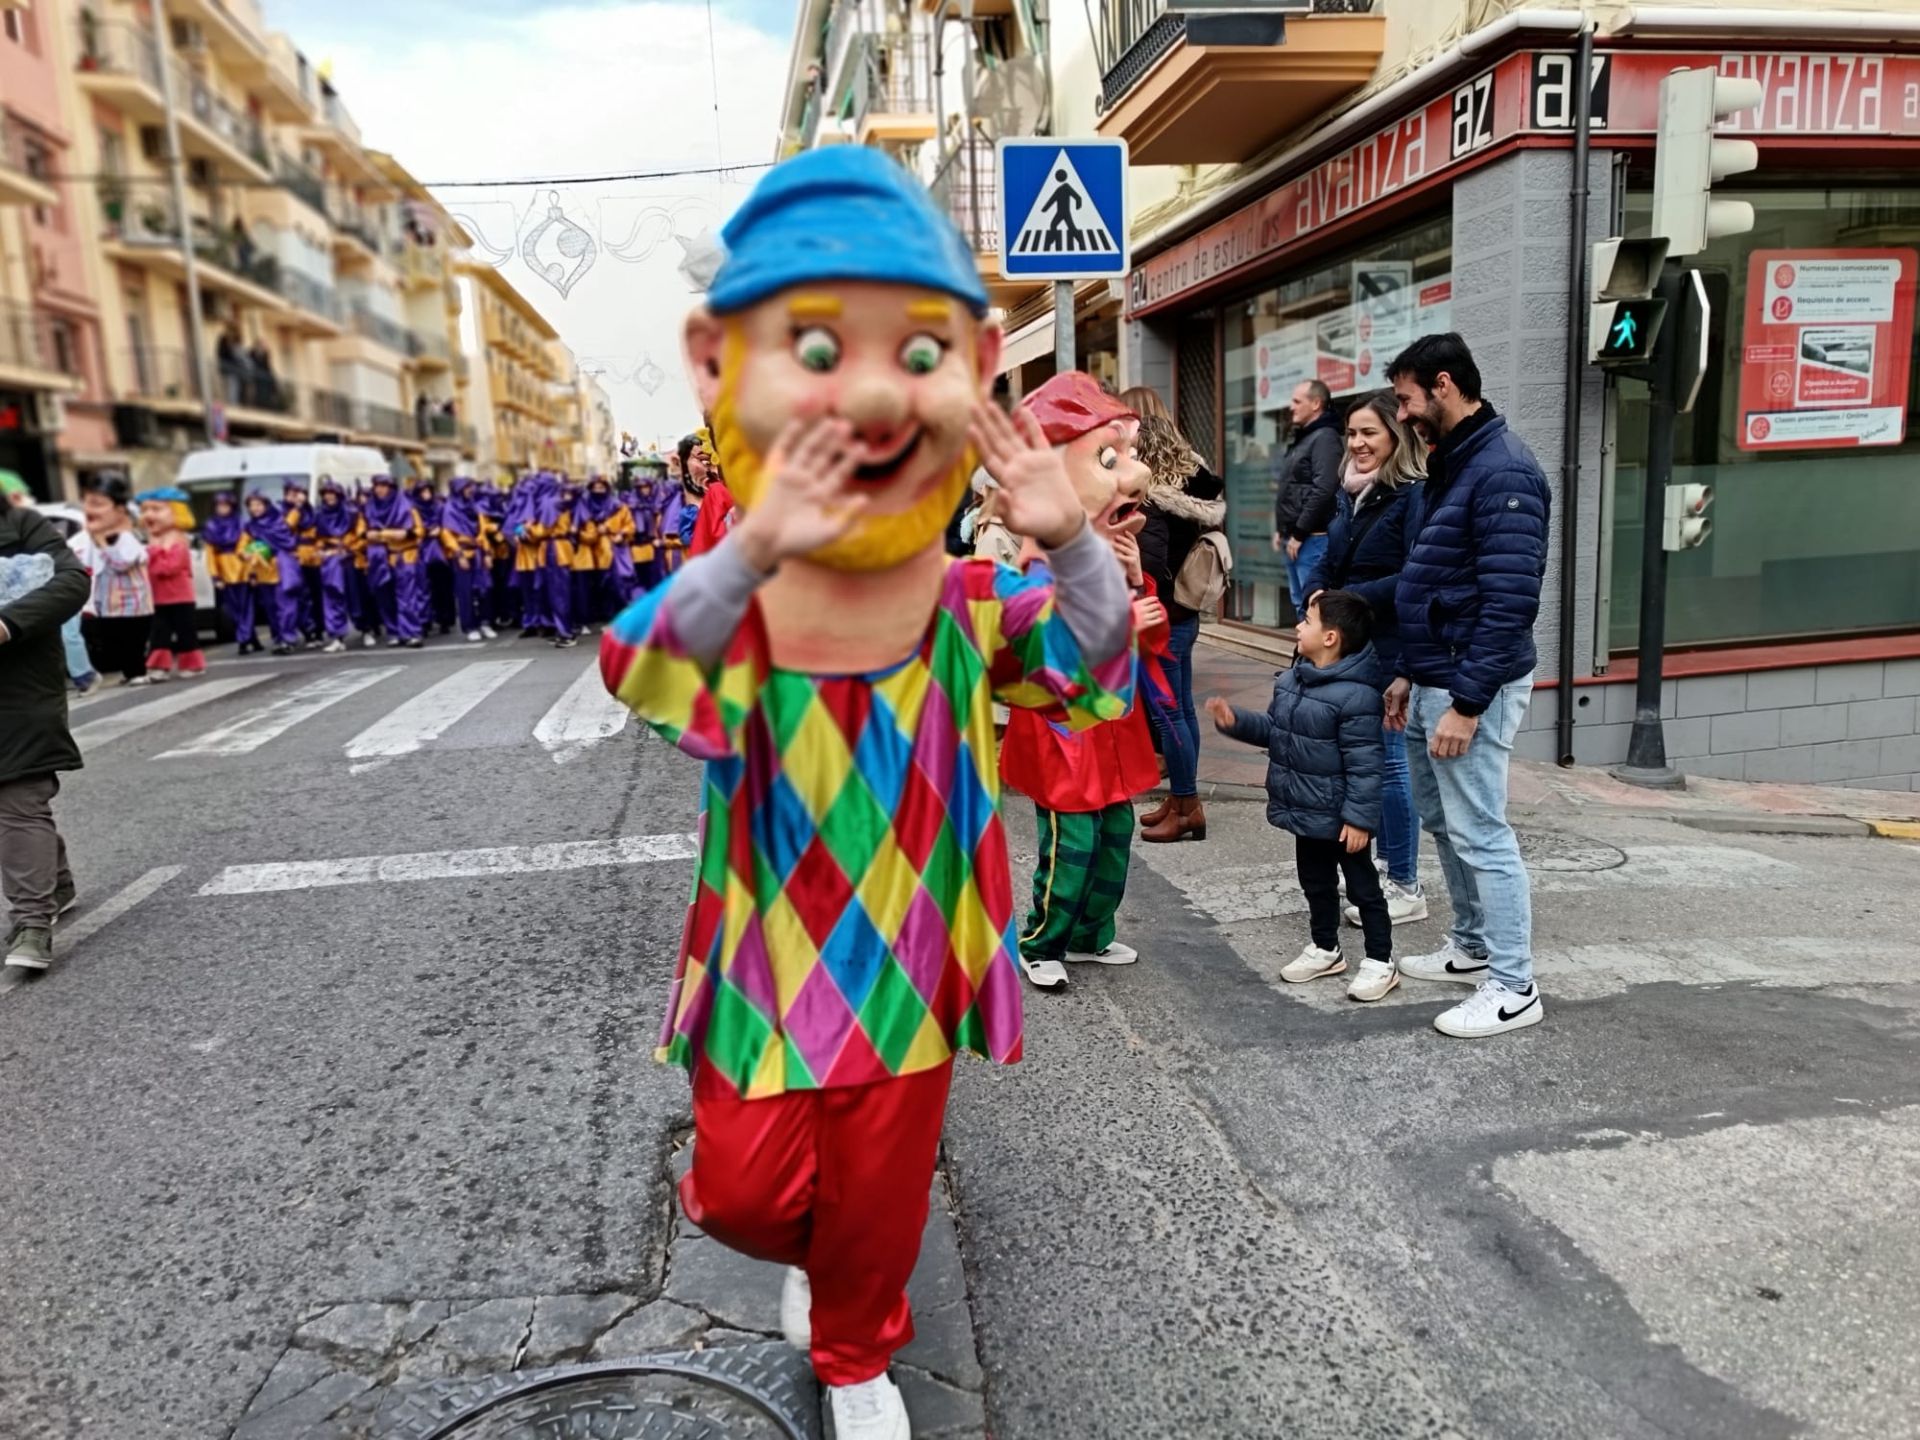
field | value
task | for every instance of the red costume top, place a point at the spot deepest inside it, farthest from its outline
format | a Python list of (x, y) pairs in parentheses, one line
[(170, 568), (714, 518)]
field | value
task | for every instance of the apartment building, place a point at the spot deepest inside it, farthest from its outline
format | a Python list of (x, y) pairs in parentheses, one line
[(327, 277), (1317, 181), (520, 372)]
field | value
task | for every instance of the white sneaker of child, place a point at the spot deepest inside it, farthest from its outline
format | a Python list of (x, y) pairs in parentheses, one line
[(1373, 980), (1311, 964), (796, 1309), (871, 1410)]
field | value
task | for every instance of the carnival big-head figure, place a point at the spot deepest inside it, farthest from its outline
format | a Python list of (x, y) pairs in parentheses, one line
[(1094, 432), (847, 294)]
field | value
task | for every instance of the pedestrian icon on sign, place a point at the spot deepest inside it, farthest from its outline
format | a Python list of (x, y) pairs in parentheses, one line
[(1063, 220)]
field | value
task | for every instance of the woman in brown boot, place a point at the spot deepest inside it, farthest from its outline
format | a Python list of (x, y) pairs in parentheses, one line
[(1183, 501)]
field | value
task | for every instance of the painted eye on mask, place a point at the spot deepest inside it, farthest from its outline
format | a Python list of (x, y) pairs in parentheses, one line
[(1109, 457), (922, 355), (817, 349)]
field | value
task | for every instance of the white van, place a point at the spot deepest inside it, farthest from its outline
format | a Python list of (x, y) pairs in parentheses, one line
[(242, 470)]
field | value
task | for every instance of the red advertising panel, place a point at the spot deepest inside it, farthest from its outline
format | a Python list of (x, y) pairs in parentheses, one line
[(1824, 358)]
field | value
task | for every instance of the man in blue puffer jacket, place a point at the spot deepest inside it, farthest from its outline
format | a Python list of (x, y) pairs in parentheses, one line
[(1466, 601)]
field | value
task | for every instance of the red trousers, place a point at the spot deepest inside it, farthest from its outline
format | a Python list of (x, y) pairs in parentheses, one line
[(834, 1181)]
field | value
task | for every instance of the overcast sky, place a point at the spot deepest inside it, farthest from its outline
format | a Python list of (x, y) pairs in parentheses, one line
[(484, 89)]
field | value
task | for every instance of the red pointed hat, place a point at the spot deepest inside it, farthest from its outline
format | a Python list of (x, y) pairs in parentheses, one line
[(1070, 405)]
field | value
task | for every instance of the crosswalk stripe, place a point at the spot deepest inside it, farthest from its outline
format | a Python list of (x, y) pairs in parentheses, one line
[(248, 732), (449, 864), (138, 717), (95, 918), (582, 717), (429, 714)]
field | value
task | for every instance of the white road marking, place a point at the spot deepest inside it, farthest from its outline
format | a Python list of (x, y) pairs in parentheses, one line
[(581, 718), (428, 715), (449, 864), (69, 933), (1228, 893), (248, 732), (138, 717)]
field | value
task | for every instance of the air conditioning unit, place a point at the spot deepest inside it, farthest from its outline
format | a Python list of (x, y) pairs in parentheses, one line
[(52, 412)]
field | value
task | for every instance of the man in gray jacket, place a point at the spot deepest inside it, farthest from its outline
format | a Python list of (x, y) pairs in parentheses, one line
[(41, 585)]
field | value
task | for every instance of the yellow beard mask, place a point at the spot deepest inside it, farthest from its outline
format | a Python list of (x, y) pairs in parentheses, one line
[(878, 542)]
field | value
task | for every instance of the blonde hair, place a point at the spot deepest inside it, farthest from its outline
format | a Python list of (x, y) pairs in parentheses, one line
[(1165, 452), (1145, 402), (1408, 462)]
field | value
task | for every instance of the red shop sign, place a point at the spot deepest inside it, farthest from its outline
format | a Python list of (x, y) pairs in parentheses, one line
[(1825, 354)]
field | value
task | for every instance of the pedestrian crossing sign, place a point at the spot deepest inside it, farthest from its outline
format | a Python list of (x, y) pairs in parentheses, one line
[(1063, 209)]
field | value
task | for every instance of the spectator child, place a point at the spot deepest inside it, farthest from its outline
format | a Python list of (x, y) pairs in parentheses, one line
[(1324, 763), (175, 638), (119, 613)]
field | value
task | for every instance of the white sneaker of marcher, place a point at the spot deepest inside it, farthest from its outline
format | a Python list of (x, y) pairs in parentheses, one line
[(474, 637), (1449, 962), (1493, 1009), (796, 1308), (487, 632), (1373, 980), (871, 1410), (1114, 954), (1311, 964), (1405, 903), (1045, 974)]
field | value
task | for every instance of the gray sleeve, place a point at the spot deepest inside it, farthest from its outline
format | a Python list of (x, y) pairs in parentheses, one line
[(1091, 592), (709, 600)]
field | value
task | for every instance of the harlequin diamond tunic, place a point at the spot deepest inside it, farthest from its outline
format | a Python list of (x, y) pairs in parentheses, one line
[(852, 914)]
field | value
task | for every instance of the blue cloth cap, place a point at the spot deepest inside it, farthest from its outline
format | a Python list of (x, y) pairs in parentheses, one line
[(164, 492), (845, 212)]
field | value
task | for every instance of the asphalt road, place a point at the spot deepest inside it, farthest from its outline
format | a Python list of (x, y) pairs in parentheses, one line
[(1207, 1202)]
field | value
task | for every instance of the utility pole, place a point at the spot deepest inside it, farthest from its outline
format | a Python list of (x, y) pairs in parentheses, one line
[(1063, 352), (177, 179)]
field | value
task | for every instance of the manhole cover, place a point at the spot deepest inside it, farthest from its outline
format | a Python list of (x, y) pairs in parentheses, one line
[(745, 1392), (1549, 850)]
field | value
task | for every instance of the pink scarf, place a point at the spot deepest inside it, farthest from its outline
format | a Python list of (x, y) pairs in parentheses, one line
[(1355, 481)]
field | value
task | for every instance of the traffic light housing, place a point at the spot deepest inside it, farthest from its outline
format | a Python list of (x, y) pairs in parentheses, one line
[(1625, 316), (1689, 160), (1687, 523)]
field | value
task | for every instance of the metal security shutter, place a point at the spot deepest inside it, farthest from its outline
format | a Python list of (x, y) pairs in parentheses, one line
[(1196, 402)]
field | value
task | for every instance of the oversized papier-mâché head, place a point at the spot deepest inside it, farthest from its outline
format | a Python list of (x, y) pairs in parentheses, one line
[(846, 292), (1094, 433)]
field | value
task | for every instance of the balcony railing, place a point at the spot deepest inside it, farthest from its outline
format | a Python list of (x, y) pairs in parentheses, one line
[(15, 155), (965, 185), (332, 410), (384, 420), (425, 342), (441, 426), (424, 263), (309, 294), (117, 48), (141, 214), (297, 178), (240, 131), (379, 329), (895, 76), (1130, 36), (26, 341), (334, 110), (159, 373)]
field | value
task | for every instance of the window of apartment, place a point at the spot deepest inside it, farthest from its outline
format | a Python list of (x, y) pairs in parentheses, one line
[(1807, 540), (15, 26), (1340, 322), (65, 350)]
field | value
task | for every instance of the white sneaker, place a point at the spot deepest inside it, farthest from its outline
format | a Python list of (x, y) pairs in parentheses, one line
[(1373, 980), (1449, 962), (1045, 974), (475, 637), (1405, 903), (1493, 1009), (369, 640), (796, 1309), (335, 646), (1311, 964), (1114, 954), (871, 1410), (487, 632)]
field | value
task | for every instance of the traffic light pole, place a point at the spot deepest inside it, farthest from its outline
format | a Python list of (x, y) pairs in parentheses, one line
[(1647, 745)]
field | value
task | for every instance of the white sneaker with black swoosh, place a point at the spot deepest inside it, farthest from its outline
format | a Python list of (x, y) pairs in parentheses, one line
[(1493, 1009), (1449, 962)]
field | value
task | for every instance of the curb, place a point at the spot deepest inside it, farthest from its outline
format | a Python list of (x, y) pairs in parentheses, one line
[(1212, 790), (1737, 822), (1895, 829)]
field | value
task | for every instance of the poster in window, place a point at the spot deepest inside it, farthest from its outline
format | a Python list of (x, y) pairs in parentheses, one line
[(1826, 352), (1384, 304), (1282, 359)]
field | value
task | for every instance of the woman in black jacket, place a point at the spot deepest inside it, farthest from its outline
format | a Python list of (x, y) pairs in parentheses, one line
[(1183, 501), (1367, 544)]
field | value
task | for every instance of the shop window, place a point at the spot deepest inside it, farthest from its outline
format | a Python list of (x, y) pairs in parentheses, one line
[(1813, 535), (1341, 322)]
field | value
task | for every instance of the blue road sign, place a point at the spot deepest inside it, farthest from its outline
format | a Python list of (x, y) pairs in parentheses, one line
[(1063, 209)]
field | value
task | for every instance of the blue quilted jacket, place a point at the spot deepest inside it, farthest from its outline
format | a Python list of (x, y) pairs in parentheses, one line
[(1325, 757), (1470, 591)]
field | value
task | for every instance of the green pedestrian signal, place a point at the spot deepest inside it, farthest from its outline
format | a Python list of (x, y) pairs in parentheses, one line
[(1626, 330)]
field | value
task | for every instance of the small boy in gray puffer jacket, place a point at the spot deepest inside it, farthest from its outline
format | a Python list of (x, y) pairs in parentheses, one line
[(1324, 763)]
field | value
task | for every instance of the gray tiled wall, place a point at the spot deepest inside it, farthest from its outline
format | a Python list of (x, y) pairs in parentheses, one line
[(1856, 724)]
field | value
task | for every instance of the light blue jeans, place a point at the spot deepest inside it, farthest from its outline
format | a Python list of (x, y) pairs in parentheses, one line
[(1398, 842), (1300, 570), (1463, 804), (78, 665)]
